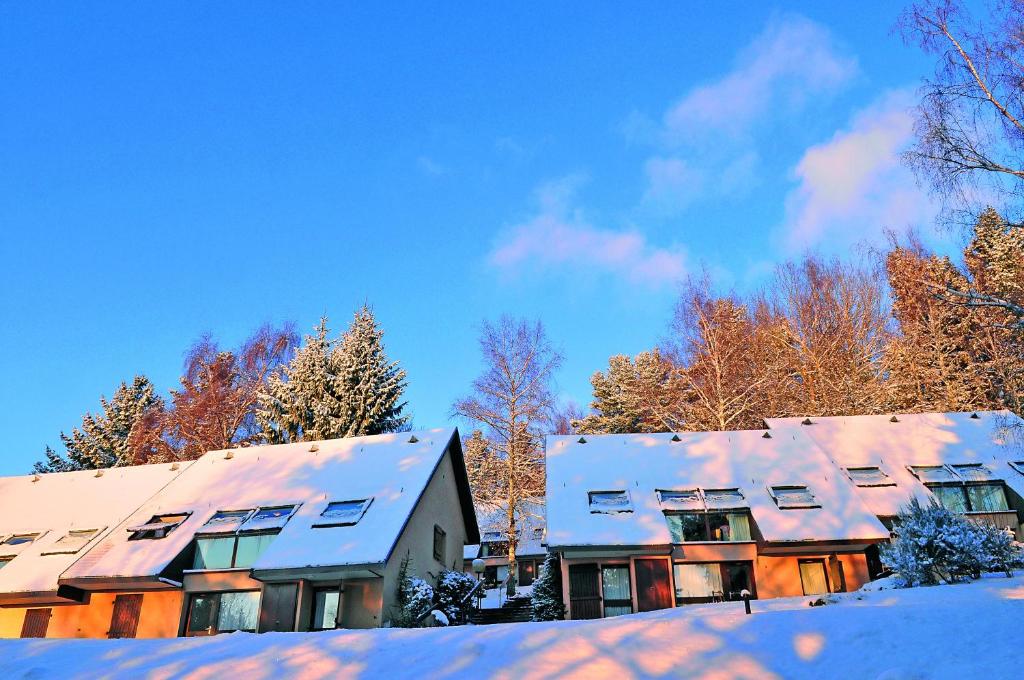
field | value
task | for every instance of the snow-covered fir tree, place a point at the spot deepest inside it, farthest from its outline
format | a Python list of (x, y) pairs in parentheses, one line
[(413, 598), (452, 589), (546, 599), (335, 388), (103, 440)]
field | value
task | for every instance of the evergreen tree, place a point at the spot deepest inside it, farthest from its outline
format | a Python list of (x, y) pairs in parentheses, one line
[(104, 440), (335, 388), (546, 599), (633, 395)]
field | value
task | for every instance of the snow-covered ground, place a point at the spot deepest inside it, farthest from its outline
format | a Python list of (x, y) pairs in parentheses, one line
[(961, 631)]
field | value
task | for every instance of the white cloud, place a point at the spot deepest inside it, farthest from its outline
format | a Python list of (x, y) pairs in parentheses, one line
[(560, 239), (711, 130), (854, 186), (429, 166)]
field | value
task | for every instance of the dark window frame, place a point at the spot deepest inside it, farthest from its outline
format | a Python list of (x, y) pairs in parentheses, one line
[(809, 505), (440, 543), (747, 565), (215, 614), (963, 486), (707, 524), (159, 532), (312, 610), (610, 510), (234, 547), (328, 523), (824, 568)]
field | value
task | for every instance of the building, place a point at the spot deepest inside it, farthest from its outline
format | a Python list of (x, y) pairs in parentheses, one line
[(493, 547), (650, 521), (48, 523), (304, 536), (966, 461)]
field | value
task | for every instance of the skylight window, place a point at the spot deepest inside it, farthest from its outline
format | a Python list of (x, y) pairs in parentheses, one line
[(71, 542), (721, 499), (491, 536), (343, 513), (16, 543), (688, 499), (4, 561), (869, 476), (1018, 465), (610, 502), (972, 472), (225, 521), (158, 527), (794, 497), (933, 473), (266, 519)]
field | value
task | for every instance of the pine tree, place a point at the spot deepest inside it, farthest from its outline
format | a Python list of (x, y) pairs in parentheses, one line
[(633, 395), (335, 388), (546, 599), (104, 440)]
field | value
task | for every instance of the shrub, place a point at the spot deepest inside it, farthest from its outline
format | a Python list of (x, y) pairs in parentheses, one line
[(414, 597), (934, 545), (452, 589)]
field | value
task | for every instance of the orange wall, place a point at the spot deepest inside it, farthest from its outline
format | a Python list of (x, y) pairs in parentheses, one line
[(780, 576), (159, 617)]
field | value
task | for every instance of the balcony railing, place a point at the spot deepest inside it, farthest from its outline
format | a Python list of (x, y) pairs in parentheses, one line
[(1001, 520)]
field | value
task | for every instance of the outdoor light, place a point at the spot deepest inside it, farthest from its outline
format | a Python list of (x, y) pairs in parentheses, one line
[(478, 566), (745, 594)]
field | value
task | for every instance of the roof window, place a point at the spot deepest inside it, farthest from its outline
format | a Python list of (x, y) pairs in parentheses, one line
[(157, 527), (266, 519), (343, 513), (1018, 465), (610, 502), (13, 545), (972, 472), (933, 473), (961, 472), (869, 476), (71, 542), (687, 499), (794, 498)]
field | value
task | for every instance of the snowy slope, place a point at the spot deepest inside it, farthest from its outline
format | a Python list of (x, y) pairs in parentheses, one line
[(961, 631)]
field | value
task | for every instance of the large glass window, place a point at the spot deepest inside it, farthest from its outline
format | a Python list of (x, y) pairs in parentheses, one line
[(4, 561), (618, 599), (971, 497), (698, 581), (695, 527), (250, 547), (212, 613), (326, 609), (215, 553)]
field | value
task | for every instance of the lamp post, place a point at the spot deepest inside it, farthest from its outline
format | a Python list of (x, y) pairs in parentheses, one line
[(745, 594), (478, 568)]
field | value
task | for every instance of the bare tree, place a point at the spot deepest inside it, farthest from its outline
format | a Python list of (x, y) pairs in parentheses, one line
[(512, 402)]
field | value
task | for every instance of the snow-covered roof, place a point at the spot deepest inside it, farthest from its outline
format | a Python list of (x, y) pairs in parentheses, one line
[(642, 464), (893, 443), (52, 505), (529, 522), (390, 470)]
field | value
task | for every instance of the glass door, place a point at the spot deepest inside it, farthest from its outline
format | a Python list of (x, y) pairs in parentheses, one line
[(813, 577), (617, 596)]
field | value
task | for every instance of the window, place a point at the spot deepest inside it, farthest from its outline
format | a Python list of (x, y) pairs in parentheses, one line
[(4, 561), (439, 540), (618, 599), (609, 502), (344, 513), (212, 613), (158, 527), (71, 542), (971, 497), (491, 536), (723, 499), (697, 527), (813, 577), (698, 582), (1018, 465), (689, 499), (17, 543), (869, 476), (973, 472), (933, 473), (234, 539), (326, 609), (794, 497), (265, 519), (225, 522)]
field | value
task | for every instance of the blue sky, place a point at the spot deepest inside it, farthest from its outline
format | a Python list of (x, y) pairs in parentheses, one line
[(168, 170)]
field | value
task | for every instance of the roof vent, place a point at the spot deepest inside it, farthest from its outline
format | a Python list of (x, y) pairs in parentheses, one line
[(581, 440), (975, 416), (766, 435), (314, 448), (806, 421), (36, 478), (175, 466), (413, 439), (229, 455), (894, 419), (675, 438), (99, 473)]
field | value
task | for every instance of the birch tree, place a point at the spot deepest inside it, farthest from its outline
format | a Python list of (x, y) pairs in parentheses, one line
[(511, 402)]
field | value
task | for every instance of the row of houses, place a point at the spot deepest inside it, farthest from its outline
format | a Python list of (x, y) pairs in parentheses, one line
[(312, 536)]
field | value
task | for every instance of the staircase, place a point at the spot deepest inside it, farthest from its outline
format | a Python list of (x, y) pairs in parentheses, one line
[(516, 610)]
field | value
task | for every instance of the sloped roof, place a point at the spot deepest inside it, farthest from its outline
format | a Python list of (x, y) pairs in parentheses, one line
[(913, 439), (529, 523), (643, 463), (391, 469), (55, 503)]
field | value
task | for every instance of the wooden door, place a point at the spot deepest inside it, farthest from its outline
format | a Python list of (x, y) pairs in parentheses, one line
[(35, 623), (653, 588), (125, 619), (584, 596), (277, 611)]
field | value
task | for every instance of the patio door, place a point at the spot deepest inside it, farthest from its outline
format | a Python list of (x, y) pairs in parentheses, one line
[(653, 588), (584, 592), (618, 598), (277, 611)]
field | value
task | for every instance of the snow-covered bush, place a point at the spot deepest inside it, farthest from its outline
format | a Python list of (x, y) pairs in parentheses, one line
[(546, 599), (934, 545), (452, 589), (414, 597)]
